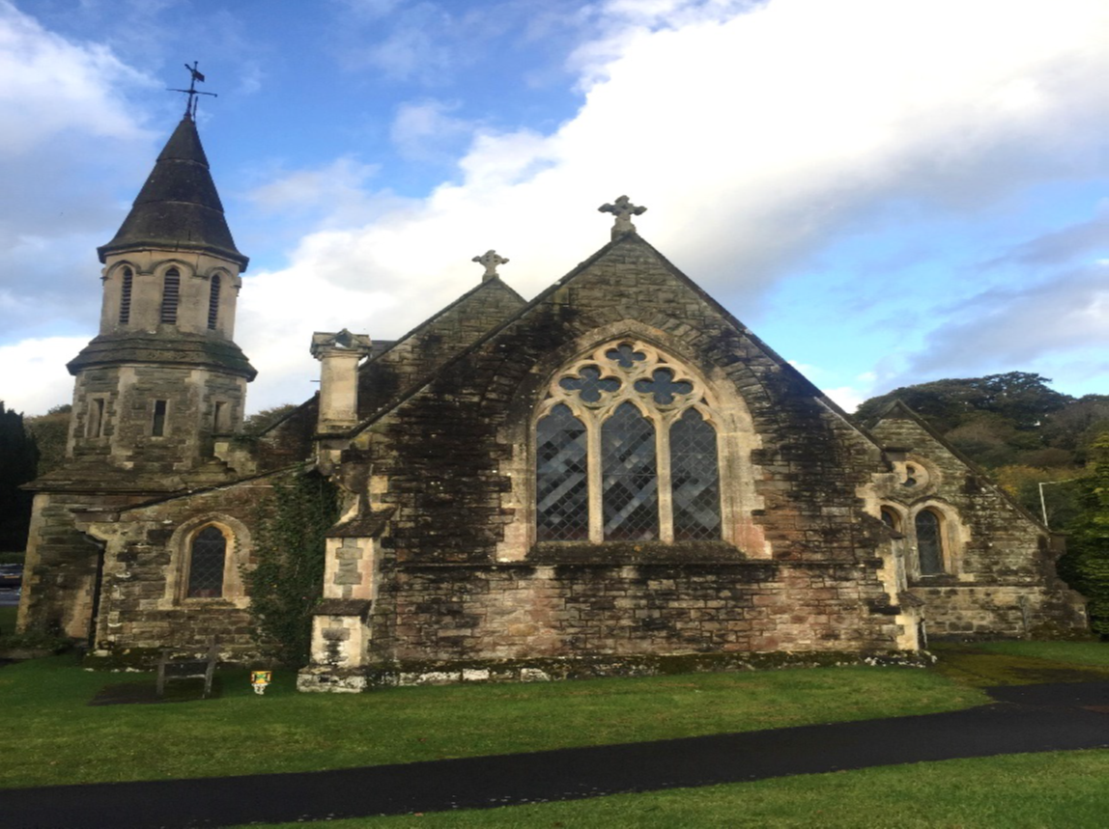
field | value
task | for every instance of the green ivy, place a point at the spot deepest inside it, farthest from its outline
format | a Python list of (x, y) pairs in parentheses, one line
[(1086, 564), (286, 582)]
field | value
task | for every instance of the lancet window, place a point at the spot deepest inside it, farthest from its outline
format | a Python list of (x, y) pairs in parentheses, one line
[(627, 450), (207, 558), (213, 302), (125, 296), (171, 294)]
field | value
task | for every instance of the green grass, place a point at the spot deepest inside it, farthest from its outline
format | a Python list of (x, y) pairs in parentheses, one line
[(1075, 653), (1064, 789), (50, 728), (7, 620)]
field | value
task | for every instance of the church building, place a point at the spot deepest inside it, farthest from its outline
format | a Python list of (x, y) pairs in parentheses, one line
[(613, 473)]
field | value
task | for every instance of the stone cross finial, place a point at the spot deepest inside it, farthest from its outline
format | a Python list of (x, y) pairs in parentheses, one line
[(623, 210), (490, 259)]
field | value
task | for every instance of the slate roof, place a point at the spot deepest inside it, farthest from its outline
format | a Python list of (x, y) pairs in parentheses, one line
[(178, 208)]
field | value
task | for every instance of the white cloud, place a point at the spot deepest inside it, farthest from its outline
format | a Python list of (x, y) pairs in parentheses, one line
[(754, 139), (33, 377), (54, 85), (425, 130)]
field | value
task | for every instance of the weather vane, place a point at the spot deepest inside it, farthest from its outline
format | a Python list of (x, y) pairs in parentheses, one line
[(192, 91)]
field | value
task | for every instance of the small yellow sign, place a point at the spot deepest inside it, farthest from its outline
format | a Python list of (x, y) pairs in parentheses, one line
[(260, 679)]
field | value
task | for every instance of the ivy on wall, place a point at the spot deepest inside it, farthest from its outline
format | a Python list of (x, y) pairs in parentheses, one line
[(286, 582), (1086, 564)]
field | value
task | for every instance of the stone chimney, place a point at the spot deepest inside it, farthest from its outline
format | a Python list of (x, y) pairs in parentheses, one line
[(340, 354)]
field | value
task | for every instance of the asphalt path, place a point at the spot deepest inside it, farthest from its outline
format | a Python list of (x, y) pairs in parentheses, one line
[(1028, 718)]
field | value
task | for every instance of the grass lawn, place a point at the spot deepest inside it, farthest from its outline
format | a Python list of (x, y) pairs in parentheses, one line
[(49, 727), (1064, 789), (7, 619)]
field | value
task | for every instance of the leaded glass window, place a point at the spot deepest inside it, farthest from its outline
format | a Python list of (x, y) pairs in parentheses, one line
[(630, 488), (929, 543), (626, 449), (206, 563), (694, 480), (562, 488)]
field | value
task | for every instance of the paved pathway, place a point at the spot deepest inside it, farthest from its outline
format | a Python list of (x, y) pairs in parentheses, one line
[(1026, 718)]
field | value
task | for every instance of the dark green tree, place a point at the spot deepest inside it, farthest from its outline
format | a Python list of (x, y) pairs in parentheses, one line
[(18, 461), (1086, 563), (50, 432), (286, 582)]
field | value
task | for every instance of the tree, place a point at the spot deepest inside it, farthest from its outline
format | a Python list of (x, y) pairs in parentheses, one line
[(1086, 563), (258, 422), (50, 432), (285, 585), (18, 461)]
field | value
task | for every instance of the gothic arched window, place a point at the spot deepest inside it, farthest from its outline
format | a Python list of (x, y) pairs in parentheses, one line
[(171, 295), (626, 450), (125, 297), (929, 543), (213, 302), (207, 557)]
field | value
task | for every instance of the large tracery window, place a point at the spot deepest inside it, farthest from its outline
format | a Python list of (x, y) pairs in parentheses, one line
[(626, 450)]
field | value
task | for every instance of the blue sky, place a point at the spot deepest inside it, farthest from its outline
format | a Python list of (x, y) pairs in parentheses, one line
[(886, 191)]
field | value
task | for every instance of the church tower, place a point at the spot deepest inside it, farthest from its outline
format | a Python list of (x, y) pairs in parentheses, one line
[(164, 375)]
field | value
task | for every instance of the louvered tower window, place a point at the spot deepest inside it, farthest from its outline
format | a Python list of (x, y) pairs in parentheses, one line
[(171, 295), (125, 297), (213, 302)]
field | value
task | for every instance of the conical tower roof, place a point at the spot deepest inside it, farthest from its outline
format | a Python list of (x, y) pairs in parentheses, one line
[(178, 208)]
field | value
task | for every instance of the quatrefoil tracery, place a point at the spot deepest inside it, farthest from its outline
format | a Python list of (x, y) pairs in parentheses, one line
[(626, 371)]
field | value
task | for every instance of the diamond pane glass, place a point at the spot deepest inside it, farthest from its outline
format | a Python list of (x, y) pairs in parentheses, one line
[(625, 356), (928, 545), (630, 485), (694, 478), (562, 484), (206, 564)]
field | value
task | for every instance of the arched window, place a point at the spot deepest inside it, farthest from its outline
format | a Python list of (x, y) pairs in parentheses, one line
[(562, 488), (695, 481), (207, 556), (171, 295), (125, 297), (626, 450), (213, 302), (629, 491), (929, 543), (891, 519)]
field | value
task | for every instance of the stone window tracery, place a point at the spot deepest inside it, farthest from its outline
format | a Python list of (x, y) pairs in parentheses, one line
[(626, 450)]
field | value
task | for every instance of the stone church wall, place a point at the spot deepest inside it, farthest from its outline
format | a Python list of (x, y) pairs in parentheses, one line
[(999, 576), (519, 611)]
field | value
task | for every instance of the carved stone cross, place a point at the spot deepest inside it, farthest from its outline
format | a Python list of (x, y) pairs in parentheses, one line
[(490, 259), (623, 210)]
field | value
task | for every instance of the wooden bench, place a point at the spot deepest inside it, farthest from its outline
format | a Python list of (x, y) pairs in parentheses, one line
[(170, 669)]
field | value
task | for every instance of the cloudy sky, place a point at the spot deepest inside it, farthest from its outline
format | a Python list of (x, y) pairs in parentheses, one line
[(887, 191)]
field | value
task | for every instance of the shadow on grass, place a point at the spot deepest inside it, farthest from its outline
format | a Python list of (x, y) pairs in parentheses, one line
[(986, 665), (145, 693)]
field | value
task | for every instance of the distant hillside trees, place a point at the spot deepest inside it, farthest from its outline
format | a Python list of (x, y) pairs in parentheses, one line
[(1048, 450), (50, 432)]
